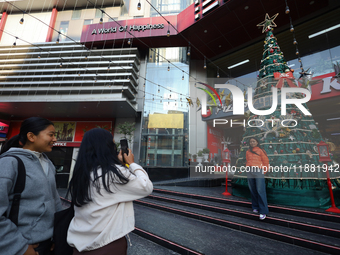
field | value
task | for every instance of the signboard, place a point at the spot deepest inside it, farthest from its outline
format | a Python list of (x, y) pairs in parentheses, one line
[(326, 87), (4, 127), (122, 29)]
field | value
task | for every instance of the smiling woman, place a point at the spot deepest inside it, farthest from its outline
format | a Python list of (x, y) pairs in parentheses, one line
[(33, 228)]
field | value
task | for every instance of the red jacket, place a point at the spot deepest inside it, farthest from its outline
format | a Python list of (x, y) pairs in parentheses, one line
[(259, 160)]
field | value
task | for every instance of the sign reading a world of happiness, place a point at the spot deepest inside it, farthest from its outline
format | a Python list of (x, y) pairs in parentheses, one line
[(126, 28), (131, 28)]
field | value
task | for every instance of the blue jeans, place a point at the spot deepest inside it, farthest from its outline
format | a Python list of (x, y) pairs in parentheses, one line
[(257, 187)]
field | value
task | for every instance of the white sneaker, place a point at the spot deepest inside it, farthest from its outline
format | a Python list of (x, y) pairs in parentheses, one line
[(262, 216), (255, 211)]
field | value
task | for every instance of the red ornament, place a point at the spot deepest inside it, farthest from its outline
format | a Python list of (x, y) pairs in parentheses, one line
[(297, 149), (271, 35), (281, 151), (271, 50), (274, 61)]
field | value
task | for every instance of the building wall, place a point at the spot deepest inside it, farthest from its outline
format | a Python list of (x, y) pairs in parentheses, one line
[(32, 30)]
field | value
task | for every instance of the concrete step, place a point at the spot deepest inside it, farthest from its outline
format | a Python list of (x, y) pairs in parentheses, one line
[(281, 219), (318, 214), (143, 246), (252, 225), (208, 238)]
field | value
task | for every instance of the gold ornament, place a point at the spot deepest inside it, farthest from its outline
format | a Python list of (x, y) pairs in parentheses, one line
[(228, 99), (268, 23), (190, 102), (198, 102), (331, 146)]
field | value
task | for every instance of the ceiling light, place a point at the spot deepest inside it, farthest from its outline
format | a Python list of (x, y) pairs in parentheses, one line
[(238, 64), (324, 31), (338, 118)]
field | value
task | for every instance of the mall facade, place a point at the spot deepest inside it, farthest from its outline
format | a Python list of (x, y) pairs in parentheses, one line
[(84, 66)]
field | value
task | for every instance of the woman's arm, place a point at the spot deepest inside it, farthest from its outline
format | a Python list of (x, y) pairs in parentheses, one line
[(247, 158), (139, 185), (11, 240), (265, 160)]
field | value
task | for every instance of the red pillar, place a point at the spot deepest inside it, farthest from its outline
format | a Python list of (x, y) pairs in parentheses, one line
[(52, 24), (3, 23)]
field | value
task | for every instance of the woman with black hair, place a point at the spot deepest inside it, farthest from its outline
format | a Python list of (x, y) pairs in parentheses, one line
[(32, 233), (102, 189), (257, 166)]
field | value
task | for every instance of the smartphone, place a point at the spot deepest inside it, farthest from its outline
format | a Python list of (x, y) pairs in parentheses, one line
[(124, 147)]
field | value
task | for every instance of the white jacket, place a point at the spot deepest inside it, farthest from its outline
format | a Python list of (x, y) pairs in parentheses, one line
[(109, 216)]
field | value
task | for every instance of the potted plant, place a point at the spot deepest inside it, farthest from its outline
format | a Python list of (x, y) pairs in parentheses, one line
[(189, 157), (206, 152), (126, 129), (194, 157), (199, 157)]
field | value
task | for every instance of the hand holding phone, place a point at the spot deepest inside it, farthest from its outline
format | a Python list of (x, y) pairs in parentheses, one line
[(124, 146)]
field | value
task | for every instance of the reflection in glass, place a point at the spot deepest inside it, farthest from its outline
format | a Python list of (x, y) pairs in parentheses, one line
[(165, 121)]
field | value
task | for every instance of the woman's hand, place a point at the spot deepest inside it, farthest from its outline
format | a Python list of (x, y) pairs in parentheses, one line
[(30, 250), (120, 157), (128, 159)]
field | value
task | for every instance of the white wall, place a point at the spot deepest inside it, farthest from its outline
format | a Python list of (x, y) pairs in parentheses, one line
[(31, 30)]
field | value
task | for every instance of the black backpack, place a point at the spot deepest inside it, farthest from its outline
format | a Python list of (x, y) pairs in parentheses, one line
[(18, 189), (62, 220)]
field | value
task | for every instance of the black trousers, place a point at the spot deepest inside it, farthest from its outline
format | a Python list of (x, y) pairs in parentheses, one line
[(44, 247)]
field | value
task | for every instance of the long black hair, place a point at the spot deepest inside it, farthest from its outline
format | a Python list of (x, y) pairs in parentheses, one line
[(258, 145), (97, 150), (34, 125)]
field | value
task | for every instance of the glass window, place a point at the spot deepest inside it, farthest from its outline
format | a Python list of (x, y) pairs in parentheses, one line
[(88, 21), (169, 7), (76, 14), (165, 122), (63, 30)]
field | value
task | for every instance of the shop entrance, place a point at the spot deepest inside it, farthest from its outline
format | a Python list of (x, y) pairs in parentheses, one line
[(61, 157)]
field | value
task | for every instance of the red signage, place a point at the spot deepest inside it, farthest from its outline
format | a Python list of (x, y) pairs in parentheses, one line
[(326, 87), (67, 144), (143, 27), (4, 126), (214, 137)]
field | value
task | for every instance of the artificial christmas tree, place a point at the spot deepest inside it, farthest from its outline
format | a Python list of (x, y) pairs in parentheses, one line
[(296, 177)]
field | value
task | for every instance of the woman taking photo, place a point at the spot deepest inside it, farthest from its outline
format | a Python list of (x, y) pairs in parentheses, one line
[(258, 163), (39, 200), (102, 190)]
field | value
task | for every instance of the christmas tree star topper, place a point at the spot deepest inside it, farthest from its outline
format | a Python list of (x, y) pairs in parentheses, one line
[(268, 23)]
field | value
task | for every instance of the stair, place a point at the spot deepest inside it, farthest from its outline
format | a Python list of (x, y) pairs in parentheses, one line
[(197, 220), (188, 218)]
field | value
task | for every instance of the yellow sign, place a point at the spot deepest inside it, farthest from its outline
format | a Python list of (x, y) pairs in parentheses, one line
[(166, 121)]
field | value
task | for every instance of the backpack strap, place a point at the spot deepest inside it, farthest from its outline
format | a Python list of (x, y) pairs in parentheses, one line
[(18, 189)]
